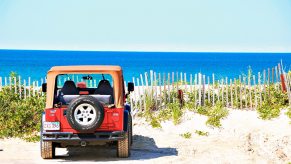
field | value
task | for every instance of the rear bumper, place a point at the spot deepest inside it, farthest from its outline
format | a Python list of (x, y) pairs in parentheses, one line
[(98, 136)]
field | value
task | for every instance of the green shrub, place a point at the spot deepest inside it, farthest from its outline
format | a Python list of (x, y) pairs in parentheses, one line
[(176, 112), (275, 100), (190, 104), (155, 123), (202, 110), (186, 135), (215, 114), (172, 111), (268, 111), (164, 114), (19, 117), (201, 133), (149, 112)]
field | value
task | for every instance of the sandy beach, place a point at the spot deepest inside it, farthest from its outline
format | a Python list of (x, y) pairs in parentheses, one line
[(243, 138)]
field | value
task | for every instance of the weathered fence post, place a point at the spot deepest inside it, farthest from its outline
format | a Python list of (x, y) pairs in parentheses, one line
[(33, 94), (191, 87), (168, 87), (231, 96), (255, 91), (164, 90), (240, 92), (177, 84), (250, 91), (185, 82), (146, 81), (273, 75), (218, 91), (173, 78), (269, 82), (5, 81), (222, 91), (208, 90), (151, 82), (245, 92), (41, 80), (15, 87), (200, 83), (203, 102), (139, 95), (143, 90), (264, 76), (160, 85), (195, 85), (0, 83), (226, 88), (260, 88), (276, 72), (19, 83), (133, 105), (155, 90), (37, 87), (235, 92), (173, 84), (29, 87), (213, 89), (24, 89)]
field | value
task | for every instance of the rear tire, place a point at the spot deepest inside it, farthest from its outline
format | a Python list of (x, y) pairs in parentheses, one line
[(123, 146), (47, 149)]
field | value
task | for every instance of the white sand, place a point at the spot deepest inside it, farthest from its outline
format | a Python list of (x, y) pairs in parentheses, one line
[(243, 139)]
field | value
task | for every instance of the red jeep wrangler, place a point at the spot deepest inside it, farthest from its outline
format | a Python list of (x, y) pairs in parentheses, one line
[(85, 105)]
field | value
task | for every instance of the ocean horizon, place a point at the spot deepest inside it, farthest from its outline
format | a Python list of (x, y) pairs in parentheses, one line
[(36, 63)]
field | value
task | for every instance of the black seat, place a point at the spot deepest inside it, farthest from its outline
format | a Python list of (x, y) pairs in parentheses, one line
[(104, 88), (69, 88)]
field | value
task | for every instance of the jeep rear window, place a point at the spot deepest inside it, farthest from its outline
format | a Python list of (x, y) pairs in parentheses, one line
[(71, 86), (77, 78)]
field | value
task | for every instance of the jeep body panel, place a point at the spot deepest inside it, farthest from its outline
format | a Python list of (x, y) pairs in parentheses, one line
[(113, 119)]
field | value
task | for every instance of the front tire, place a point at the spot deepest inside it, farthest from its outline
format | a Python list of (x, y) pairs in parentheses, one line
[(47, 149)]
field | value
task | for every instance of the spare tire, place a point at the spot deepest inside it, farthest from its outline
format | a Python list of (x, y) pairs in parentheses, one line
[(85, 114)]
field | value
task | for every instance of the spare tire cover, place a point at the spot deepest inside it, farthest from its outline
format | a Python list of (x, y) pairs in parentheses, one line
[(85, 114)]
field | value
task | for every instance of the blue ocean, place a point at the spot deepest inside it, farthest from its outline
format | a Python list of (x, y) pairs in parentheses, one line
[(36, 63)]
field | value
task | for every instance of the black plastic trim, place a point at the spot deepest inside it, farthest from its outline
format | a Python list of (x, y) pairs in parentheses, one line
[(68, 136)]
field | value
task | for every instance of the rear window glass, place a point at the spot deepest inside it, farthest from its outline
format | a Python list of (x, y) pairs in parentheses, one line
[(91, 80)]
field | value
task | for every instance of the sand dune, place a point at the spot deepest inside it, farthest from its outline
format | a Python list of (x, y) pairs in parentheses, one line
[(243, 139)]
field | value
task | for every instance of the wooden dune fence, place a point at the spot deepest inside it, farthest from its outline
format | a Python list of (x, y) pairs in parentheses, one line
[(22, 87), (244, 92), (158, 89)]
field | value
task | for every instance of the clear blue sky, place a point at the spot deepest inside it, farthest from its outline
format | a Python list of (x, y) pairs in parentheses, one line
[(147, 25)]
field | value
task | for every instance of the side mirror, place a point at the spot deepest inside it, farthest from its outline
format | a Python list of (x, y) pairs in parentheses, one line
[(130, 87), (43, 87)]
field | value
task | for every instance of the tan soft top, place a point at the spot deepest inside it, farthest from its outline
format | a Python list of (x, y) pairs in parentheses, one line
[(114, 71), (85, 68)]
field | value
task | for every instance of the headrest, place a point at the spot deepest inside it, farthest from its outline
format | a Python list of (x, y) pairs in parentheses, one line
[(69, 88), (81, 85)]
